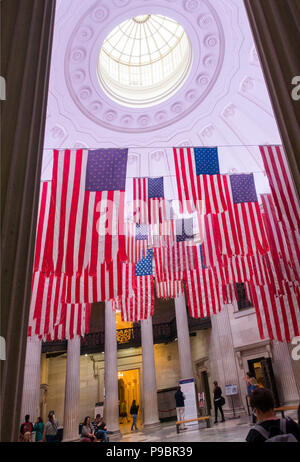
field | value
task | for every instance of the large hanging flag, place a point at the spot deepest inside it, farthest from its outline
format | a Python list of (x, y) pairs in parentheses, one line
[(87, 204), (49, 318), (248, 219), (141, 304), (199, 181), (281, 184)]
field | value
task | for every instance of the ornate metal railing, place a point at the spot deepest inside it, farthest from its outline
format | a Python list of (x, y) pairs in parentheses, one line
[(130, 337)]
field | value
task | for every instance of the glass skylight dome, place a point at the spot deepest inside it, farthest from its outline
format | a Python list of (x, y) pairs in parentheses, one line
[(144, 60)]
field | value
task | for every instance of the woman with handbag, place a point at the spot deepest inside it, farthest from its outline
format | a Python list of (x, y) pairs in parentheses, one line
[(219, 401)]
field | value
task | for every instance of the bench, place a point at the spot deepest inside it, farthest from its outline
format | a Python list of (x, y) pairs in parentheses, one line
[(198, 419), (285, 408)]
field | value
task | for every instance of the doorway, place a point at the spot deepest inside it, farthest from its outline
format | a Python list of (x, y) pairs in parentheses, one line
[(262, 369), (128, 390)]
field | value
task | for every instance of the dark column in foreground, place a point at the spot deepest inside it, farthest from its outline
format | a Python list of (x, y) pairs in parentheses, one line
[(27, 30), (275, 27)]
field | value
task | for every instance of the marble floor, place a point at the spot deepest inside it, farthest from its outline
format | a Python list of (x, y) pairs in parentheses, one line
[(234, 430)]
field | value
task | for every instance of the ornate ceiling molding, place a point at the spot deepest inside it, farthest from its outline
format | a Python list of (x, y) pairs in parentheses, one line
[(204, 27)]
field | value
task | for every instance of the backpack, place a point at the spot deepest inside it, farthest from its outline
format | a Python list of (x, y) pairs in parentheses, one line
[(27, 427), (283, 437)]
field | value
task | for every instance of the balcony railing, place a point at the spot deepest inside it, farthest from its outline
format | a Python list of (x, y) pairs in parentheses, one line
[(127, 338)]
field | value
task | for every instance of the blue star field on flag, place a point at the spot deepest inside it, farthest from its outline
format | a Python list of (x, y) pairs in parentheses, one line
[(155, 187), (141, 232), (144, 266), (106, 170), (207, 161), (243, 188)]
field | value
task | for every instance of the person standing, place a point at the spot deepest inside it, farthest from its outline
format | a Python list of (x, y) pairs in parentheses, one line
[(219, 401), (38, 429), (134, 412), (50, 429), (26, 427), (179, 399)]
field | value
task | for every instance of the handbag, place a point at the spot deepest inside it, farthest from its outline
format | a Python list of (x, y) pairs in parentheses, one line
[(222, 401)]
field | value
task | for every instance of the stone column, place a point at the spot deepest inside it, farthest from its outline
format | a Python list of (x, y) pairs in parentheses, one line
[(294, 353), (284, 374), (72, 391), (111, 408), (27, 29), (150, 406), (183, 337), (32, 374), (223, 361)]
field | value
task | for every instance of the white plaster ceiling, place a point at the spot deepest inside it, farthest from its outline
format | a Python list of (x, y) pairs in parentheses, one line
[(223, 102)]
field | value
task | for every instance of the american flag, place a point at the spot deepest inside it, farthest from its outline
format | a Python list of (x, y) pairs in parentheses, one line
[(84, 213), (139, 305), (199, 181), (248, 219), (282, 186), (49, 318)]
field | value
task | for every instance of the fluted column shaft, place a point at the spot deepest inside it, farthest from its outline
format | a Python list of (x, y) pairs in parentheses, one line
[(183, 337), (31, 385), (149, 379), (111, 409), (72, 391)]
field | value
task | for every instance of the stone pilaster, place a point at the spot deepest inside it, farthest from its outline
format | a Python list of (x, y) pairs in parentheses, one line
[(284, 374), (111, 409), (31, 386), (151, 419), (183, 337), (223, 366), (72, 391)]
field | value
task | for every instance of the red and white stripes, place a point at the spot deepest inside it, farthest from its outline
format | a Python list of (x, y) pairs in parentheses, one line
[(168, 289), (141, 304), (281, 184)]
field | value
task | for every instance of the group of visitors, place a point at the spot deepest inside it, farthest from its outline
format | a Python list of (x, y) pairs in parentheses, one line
[(219, 401), (94, 431), (43, 432), (97, 430)]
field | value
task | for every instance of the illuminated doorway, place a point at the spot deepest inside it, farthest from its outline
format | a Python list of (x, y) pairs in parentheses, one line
[(129, 390)]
